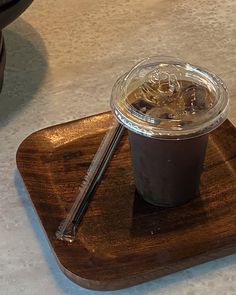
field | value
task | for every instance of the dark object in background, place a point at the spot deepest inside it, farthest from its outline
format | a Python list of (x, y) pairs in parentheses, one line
[(9, 11), (2, 59)]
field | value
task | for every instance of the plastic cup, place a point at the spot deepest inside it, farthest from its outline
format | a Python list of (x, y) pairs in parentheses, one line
[(169, 107)]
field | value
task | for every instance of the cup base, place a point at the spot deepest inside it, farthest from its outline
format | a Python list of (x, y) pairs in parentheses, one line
[(168, 205)]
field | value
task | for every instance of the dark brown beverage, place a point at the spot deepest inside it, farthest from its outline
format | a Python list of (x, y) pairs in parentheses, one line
[(167, 172)]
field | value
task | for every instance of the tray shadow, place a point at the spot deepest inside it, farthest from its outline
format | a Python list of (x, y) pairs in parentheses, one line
[(150, 220)]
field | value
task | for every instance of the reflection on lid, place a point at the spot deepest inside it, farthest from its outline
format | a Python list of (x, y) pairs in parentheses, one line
[(158, 98)]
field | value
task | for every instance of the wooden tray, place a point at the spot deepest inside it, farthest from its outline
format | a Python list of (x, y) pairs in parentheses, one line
[(122, 241)]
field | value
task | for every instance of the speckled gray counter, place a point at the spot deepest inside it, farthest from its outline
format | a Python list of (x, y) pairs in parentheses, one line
[(63, 58)]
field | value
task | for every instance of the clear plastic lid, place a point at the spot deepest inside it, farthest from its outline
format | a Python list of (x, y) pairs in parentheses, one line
[(168, 98)]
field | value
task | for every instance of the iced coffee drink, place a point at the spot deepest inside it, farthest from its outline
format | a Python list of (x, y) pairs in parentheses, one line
[(169, 107)]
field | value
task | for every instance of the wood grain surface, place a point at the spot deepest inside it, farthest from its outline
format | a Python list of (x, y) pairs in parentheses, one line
[(123, 241)]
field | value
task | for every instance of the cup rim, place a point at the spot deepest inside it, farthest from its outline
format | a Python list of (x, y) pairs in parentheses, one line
[(140, 125)]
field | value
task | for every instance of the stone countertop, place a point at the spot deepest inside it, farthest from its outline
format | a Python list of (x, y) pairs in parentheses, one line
[(62, 60)]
